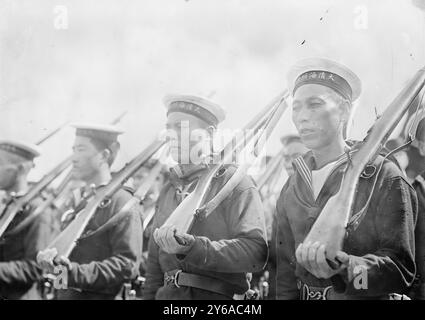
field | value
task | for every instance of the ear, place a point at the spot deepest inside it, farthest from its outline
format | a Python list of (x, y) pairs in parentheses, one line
[(211, 130), (106, 154), (25, 167), (344, 109)]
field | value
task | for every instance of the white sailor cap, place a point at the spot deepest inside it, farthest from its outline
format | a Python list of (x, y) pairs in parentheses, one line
[(199, 107), (327, 73), (26, 150), (101, 132)]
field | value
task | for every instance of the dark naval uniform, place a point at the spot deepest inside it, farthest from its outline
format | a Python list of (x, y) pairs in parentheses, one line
[(229, 243), (416, 163), (418, 290), (149, 207), (383, 241), (19, 272), (103, 260)]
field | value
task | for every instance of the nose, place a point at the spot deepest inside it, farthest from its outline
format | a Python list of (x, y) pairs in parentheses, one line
[(302, 115), (74, 159), (421, 148)]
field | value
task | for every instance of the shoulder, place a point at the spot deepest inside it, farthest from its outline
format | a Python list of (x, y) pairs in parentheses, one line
[(390, 179), (389, 171), (284, 192), (121, 197), (227, 171), (165, 190)]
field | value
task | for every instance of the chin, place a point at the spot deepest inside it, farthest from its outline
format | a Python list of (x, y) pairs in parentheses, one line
[(310, 143), (289, 171), (78, 176), (175, 156)]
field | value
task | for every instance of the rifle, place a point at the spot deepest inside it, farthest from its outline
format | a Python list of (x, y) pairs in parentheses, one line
[(193, 205), (17, 205), (330, 227), (269, 176), (51, 133), (66, 240)]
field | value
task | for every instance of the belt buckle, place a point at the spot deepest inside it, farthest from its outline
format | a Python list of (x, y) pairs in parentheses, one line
[(309, 294), (172, 279)]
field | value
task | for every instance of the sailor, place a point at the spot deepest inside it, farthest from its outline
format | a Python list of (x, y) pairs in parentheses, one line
[(380, 249), (220, 250), (19, 272), (107, 255)]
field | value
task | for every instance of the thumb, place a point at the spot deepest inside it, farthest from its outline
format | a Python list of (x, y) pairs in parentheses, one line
[(343, 258), (65, 261)]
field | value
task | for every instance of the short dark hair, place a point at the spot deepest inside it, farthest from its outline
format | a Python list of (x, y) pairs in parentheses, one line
[(113, 148)]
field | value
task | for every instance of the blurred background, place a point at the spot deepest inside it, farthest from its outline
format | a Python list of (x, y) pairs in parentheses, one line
[(87, 60)]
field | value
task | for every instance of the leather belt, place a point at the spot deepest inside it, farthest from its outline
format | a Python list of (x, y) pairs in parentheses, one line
[(313, 293), (179, 278)]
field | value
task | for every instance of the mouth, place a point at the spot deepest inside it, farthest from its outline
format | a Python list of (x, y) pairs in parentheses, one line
[(307, 132)]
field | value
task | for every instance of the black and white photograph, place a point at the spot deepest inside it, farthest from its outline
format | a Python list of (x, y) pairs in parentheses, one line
[(235, 150)]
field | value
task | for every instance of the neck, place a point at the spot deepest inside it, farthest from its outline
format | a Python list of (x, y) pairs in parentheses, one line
[(103, 176), (188, 166), (20, 187), (328, 153), (187, 169)]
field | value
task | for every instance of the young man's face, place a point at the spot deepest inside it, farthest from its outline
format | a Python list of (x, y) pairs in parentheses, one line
[(317, 115), (86, 159), (188, 137), (293, 150), (9, 169)]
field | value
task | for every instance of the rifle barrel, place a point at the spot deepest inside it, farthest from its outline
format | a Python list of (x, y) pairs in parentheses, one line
[(51, 133)]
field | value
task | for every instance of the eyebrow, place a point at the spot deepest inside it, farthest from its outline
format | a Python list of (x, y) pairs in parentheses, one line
[(316, 100), (76, 146), (309, 99)]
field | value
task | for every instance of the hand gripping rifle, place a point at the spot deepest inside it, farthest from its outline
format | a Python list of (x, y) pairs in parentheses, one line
[(330, 227), (194, 204), (21, 202)]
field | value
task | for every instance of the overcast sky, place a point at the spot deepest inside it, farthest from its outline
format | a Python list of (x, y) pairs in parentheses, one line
[(84, 60)]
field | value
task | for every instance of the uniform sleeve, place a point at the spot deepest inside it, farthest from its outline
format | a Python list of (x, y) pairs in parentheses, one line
[(418, 290), (246, 251), (39, 235), (26, 271), (154, 274), (284, 244), (126, 240), (391, 268), (19, 273)]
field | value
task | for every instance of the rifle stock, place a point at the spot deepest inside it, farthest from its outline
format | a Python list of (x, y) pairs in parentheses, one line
[(330, 227)]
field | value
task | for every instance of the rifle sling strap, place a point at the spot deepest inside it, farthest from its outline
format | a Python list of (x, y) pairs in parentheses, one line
[(122, 213), (357, 218)]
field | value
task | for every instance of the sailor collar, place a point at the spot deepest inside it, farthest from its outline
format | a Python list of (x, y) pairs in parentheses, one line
[(306, 163)]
